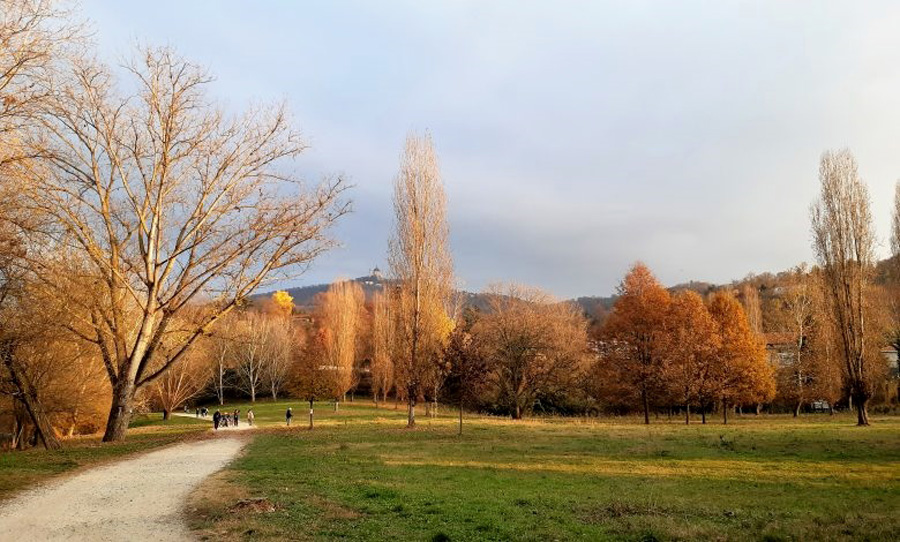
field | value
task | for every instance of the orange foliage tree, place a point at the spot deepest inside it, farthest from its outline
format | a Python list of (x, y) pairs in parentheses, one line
[(634, 334), (741, 369), (339, 314), (691, 342)]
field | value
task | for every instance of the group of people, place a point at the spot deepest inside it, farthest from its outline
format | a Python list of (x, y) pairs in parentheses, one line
[(231, 419)]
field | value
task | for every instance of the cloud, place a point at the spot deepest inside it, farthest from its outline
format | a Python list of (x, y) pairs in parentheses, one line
[(573, 140)]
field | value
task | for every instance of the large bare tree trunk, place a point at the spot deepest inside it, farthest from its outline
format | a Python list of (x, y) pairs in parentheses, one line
[(411, 412), (862, 413), (119, 411)]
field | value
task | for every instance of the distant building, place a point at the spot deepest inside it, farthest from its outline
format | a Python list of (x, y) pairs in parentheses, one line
[(781, 347)]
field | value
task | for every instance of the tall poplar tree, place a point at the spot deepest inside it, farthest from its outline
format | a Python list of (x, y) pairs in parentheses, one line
[(844, 243), (421, 266)]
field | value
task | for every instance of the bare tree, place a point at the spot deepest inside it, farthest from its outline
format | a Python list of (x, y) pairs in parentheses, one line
[(183, 381), (169, 200), (222, 351), (421, 265), (284, 339), (253, 347), (533, 345), (844, 241)]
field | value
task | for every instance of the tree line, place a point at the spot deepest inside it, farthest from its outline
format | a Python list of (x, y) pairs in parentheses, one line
[(138, 215)]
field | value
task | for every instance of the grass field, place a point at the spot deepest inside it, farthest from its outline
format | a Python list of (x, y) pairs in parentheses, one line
[(360, 476), (19, 470)]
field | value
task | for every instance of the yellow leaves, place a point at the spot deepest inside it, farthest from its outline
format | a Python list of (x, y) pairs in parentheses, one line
[(282, 302)]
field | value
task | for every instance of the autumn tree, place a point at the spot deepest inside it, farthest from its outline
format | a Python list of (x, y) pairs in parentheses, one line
[(169, 200), (339, 314), (55, 379), (468, 369), (752, 307), (634, 332), (533, 344), (383, 345), (691, 342), (740, 366), (844, 243), (805, 373), (311, 378), (422, 268), (280, 304), (34, 37), (285, 337)]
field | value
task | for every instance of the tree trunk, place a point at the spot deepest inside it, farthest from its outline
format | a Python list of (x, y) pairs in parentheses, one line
[(460, 413), (646, 401), (797, 409), (27, 396), (119, 411), (703, 415), (220, 392), (165, 414), (310, 413), (335, 405), (687, 414), (862, 414), (518, 413), (411, 412), (724, 412)]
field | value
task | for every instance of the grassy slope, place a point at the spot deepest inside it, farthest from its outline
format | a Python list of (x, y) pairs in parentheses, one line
[(19, 470), (360, 476)]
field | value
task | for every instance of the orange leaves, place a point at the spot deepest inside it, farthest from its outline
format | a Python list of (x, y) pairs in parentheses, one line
[(743, 371), (679, 350)]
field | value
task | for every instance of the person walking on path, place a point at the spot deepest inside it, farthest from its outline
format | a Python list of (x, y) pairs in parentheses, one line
[(237, 416), (288, 415), (250, 417), (216, 417)]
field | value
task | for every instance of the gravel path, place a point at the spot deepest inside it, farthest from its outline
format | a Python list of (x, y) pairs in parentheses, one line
[(134, 499)]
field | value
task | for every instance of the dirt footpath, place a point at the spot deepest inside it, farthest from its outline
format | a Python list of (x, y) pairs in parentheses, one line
[(134, 499)]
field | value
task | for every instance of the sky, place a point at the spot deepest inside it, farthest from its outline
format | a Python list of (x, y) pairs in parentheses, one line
[(574, 137)]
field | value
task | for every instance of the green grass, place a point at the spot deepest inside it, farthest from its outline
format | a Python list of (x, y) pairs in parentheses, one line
[(22, 469), (360, 476)]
